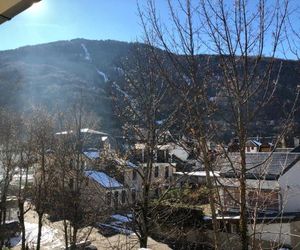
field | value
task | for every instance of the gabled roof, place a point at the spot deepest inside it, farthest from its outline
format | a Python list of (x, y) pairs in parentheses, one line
[(253, 142), (92, 155), (198, 173), (125, 163), (83, 131), (263, 165), (103, 179), (91, 131)]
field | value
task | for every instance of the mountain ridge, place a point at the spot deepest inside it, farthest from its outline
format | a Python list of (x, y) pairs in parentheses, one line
[(54, 74)]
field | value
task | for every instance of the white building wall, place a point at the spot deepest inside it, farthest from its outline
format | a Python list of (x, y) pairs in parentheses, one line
[(290, 189), (273, 232), (251, 149)]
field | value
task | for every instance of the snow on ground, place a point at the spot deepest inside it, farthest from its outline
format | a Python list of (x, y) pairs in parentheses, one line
[(86, 52), (48, 238), (48, 234), (53, 237), (103, 75)]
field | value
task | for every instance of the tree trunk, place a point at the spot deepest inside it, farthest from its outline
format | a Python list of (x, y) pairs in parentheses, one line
[(66, 234), (144, 232), (74, 238), (212, 205), (40, 224), (22, 223), (143, 241), (3, 214), (243, 207)]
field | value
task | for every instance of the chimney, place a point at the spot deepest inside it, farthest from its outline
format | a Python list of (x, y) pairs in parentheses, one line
[(283, 144)]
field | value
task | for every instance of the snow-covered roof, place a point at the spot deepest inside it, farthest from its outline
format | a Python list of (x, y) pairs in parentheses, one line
[(91, 131), (103, 179), (126, 163), (173, 148), (160, 122), (262, 165), (130, 164), (83, 130), (257, 142), (199, 173), (92, 155), (121, 218)]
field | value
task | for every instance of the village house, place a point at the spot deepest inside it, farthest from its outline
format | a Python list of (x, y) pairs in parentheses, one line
[(253, 145), (163, 167), (272, 192), (98, 190), (161, 177), (108, 168), (105, 191), (90, 138), (193, 178), (272, 181)]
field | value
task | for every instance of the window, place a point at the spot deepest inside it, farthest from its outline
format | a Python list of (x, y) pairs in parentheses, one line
[(161, 156), (134, 175), (108, 198), (71, 183), (116, 199), (139, 155), (156, 171), (156, 192), (166, 172), (265, 199), (133, 195), (71, 164), (231, 197), (123, 197)]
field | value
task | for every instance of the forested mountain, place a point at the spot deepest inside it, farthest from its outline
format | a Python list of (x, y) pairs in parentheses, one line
[(59, 74)]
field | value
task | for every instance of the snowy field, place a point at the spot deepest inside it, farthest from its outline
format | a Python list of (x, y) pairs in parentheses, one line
[(49, 239), (53, 236)]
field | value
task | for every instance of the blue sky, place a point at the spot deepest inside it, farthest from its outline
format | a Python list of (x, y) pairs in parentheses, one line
[(52, 20)]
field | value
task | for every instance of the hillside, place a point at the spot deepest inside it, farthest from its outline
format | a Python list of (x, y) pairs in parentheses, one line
[(57, 74)]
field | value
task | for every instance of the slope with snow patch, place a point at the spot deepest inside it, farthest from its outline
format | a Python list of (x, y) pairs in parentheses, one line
[(86, 52), (105, 78)]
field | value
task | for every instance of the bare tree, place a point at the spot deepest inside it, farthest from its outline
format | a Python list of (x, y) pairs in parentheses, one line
[(25, 168), (9, 134), (188, 75), (43, 137), (146, 119), (239, 82), (248, 80), (70, 201)]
